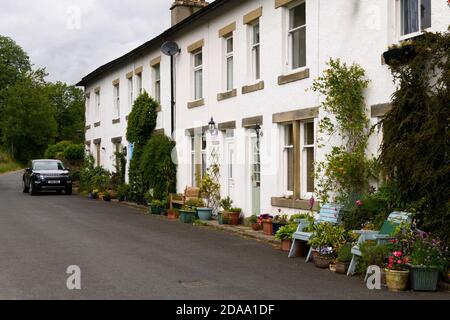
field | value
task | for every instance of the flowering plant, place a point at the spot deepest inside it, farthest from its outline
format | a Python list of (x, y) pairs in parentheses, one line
[(427, 251), (325, 251), (397, 261)]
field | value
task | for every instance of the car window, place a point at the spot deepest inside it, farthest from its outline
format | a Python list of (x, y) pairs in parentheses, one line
[(48, 165)]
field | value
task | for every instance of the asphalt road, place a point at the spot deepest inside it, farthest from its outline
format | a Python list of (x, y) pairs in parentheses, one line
[(124, 254)]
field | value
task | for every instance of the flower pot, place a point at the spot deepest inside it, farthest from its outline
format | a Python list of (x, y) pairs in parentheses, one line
[(222, 218), (276, 226), (173, 215), (286, 245), (397, 280), (268, 227), (342, 267), (332, 266), (255, 226), (302, 249), (321, 261), (154, 210), (204, 214), (187, 216), (234, 218), (424, 278)]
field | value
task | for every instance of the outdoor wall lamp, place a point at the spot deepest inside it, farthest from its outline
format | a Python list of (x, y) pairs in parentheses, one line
[(212, 127)]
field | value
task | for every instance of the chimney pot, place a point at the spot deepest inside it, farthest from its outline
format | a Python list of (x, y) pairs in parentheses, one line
[(181, 9)]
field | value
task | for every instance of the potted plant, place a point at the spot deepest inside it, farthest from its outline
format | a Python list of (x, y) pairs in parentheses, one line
[(157, 207), (326, 240), (397, 272), (106, 196), (226, 204), (279, 221), (187, 214), (123, 192), (253, 220), (284, 234), (266, 221), (343, 258), (425, 262), (210, 190), (173, 214), (234, 214)]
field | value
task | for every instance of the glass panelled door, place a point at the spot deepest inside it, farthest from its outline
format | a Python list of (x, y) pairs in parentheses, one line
[(255, 176), (230, 164)]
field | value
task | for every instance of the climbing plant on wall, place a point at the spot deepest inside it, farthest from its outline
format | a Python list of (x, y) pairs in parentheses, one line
[(345, 173), (415, 152)]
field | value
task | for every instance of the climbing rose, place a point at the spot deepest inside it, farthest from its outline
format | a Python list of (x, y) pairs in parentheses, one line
[(358, 203)]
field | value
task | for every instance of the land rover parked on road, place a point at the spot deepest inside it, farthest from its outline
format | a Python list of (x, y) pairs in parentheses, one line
[(46, 175)]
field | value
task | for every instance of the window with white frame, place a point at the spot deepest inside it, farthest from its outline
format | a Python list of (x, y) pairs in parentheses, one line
[(198, 74), (157, 82), (193, 178), (130, 94), (288, 155), (255, 48), (97, 105), (202, 149), (203, 155), (297, 36), (139, 84), (415, 16), (229, 62), (117, 100), (307, 148)]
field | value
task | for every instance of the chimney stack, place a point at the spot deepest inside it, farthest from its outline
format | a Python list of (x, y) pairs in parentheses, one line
[(181, 9)]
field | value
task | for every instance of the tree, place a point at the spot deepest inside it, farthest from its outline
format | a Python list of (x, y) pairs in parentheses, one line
[(69, 111), (14, 62), (142, 119), (28, 123)]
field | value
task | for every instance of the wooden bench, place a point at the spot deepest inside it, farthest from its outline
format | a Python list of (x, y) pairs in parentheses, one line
[(386, 233), (331, 213), (180, 199)]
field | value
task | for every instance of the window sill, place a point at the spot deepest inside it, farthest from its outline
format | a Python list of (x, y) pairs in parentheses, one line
[(296, 76), (196, 103), (115, 121), (254, 87), (226, 95), (293, 204), (88, 127), (97, 124)]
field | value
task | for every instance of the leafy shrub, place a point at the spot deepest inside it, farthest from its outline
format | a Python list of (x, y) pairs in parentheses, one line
[(93, 178), (327, 235), (372, 254), (142, 119), (56, 151), (157, 168), (286, 232), (345, 253), (226, 203), (74, 152)]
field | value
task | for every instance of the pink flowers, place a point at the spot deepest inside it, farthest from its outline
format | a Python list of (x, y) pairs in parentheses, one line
[(397, 254), (358, 203), (396, 261)]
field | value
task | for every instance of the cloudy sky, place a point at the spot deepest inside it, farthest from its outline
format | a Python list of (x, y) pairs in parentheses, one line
[(71, 38)]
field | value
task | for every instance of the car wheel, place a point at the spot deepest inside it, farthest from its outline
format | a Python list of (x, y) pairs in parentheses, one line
[(33, 192), (24, 187), (68, 191)]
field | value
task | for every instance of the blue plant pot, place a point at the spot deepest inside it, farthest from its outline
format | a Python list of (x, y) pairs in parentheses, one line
[(204, 214), (424, 278)]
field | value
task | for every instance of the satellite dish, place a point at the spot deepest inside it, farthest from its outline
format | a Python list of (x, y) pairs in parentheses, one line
[(170, 48)]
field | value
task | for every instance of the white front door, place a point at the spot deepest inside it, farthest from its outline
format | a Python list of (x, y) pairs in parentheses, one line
[(255, 171), (229, 158)]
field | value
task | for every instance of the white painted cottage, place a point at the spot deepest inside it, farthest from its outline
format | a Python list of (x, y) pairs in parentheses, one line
[(249, 65)]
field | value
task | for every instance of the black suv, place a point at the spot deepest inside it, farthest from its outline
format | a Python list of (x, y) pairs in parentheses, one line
[(46, 175)]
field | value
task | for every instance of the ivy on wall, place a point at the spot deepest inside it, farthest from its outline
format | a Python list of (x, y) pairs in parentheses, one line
[(416, 140)]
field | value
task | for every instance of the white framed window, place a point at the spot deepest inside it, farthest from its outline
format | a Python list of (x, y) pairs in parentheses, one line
[(255, 51), (198, 74), (415, 16), (203, 155), (193, 178), (157, 82), (288, 159), (139, 83), (193, 158), (117, 100), (130, 94), (308, 154), (97, 105), (297, 36), (229, 48)]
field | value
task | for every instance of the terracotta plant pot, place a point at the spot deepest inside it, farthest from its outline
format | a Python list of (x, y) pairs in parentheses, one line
[(332, 266), (256, 226), (286, 245), (302, 249), (320, 261), (173, 215), (397, 280), (234, 218), (342, 267), (268, 227)]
